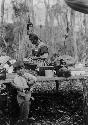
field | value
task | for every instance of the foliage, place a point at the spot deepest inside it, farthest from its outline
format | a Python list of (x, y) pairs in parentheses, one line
[(9, 36), (19, 8), (57, 31), (6, 39)]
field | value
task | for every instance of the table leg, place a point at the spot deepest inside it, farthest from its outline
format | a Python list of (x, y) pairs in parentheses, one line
[(57, 85), (85, 103)]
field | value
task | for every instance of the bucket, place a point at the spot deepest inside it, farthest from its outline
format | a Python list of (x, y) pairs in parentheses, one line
[(49, 73)]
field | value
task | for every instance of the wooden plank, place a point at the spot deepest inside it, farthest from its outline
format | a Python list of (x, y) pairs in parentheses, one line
[(10, 77)]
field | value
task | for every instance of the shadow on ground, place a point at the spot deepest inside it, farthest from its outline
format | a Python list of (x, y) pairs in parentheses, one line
[(49, 107), (62, 108)]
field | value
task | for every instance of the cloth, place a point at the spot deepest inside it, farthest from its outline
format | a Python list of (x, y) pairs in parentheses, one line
[(30, 76), (40, 50), (24, 102), (33, 37), (24, 109), (12, 61), (78, 5), (4, 59), (8, 68), (21, 81)]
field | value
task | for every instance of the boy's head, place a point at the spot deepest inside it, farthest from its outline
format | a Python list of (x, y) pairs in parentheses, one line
[(20, 71), (18, 66)]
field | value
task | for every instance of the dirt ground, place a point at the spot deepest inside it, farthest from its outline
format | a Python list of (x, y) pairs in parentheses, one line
[(62, 108), (58, 108), (50, 108)]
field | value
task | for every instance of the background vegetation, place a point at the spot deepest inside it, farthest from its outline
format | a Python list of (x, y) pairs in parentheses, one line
[(63, 29)]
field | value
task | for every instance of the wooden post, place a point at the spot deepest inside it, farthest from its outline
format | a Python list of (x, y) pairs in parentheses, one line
[(57, 85), (85, 102)]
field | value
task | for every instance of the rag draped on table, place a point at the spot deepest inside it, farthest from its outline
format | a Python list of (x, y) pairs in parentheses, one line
[(78, 5)]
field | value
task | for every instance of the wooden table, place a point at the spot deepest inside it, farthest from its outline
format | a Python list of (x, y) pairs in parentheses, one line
[(10, 77)]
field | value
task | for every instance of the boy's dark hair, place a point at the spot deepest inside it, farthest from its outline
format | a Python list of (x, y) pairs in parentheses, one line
[(18, 65)]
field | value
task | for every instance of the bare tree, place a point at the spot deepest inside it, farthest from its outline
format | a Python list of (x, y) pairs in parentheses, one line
[(29, 3), (74, 33), (2, 11), (47, 6), (20, 10), (2, 21)]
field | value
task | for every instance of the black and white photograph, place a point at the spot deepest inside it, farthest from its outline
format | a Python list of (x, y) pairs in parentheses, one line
[(43, 62)]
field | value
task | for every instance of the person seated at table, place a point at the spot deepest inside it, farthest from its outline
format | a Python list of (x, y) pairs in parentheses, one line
[(24, 81), (40, 49)]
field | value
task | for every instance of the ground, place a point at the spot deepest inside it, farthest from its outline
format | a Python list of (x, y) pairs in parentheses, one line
[(64, 107), (58, 109)]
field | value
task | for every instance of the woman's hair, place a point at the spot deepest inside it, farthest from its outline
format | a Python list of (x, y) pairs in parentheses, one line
[(33, 38)]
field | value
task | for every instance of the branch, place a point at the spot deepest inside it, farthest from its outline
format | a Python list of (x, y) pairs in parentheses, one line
[(2, 11), (4, 41)]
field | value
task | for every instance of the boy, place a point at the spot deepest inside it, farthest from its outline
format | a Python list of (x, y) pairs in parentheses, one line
[(23, 82)]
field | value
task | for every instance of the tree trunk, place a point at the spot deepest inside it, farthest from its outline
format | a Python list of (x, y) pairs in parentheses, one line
[(2, 11), (85, 102), (29, 3), (51, 17), (47, 27), (74, 33), (85, 25), (2, 21)]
